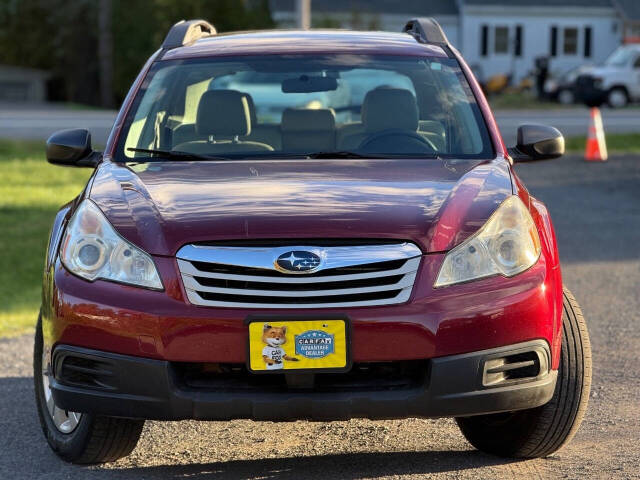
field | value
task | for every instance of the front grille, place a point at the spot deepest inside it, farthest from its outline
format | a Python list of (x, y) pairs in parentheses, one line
[(363, 377), (369, 267), (349, 275)]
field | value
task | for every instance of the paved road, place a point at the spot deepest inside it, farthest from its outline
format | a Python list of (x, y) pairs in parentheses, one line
[(37, 122), (571, 121), (40, 122), (596, 210)]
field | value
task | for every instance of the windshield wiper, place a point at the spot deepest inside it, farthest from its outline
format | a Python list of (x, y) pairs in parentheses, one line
[(178, 154), (349, 154), (339, 154)]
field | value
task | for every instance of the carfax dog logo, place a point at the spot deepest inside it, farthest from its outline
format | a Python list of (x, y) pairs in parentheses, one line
[(314, 344)]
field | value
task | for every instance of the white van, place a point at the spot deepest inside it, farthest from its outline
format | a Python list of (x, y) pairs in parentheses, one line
[(616, 82)]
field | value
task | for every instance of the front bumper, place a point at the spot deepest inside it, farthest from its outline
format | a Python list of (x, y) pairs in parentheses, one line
[(457, 385), (484, 314)]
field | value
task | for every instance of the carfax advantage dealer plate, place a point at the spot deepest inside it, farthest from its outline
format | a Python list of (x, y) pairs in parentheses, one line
[(307, 345)]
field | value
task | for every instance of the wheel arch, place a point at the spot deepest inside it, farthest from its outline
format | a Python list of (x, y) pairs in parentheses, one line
[(619, 86)]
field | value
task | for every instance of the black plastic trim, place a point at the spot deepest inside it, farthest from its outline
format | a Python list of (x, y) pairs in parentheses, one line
[(426, 30), (185, 32), (150, 389)]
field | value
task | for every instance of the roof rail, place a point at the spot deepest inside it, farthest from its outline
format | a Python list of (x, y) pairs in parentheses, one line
[(185, 32), (426, 30)]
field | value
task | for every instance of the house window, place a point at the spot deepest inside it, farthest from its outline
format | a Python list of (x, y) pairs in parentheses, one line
[(570, 46), (501, 40)]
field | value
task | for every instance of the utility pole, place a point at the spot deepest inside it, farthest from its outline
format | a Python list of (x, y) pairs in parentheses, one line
[(105, 53), (303, 14)]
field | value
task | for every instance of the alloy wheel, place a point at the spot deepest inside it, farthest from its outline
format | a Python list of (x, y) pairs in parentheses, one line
[(65, 421), (618, 98)]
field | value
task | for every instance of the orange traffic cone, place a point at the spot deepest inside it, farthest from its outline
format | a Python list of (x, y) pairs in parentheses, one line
[(596, 150)]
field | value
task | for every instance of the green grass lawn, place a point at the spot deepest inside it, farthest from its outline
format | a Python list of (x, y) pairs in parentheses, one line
[(31, 191), (616, 143), (519, 101)]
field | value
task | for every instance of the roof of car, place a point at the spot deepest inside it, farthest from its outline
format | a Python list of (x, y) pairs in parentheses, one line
[(305, 41)]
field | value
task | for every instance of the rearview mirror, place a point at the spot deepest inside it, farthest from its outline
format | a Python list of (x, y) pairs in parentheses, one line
[(307, 84), (537, 142), (72, 148)]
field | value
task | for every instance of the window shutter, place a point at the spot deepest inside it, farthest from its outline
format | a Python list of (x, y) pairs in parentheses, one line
[(484, 41), (587, 42), (518, 44), (554, 41)]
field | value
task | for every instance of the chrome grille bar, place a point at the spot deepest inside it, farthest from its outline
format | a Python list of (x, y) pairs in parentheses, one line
[(392, 266), (186, 268)]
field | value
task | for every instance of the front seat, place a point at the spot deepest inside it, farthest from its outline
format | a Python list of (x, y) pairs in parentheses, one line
[(392, 111), (223, 116), (268, 134)]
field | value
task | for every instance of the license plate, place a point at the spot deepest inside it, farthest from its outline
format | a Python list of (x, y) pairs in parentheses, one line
[(311, 345)]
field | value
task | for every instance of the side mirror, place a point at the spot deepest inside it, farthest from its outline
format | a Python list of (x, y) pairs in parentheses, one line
[(537, 142), (72, 148)]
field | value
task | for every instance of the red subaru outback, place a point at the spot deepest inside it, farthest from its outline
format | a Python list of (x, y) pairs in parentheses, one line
[(306, 225)]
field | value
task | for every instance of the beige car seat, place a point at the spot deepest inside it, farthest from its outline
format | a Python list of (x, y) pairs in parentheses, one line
[(262, 133), (222, 118)]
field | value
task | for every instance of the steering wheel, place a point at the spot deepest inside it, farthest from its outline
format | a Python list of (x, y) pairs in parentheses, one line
[(417, 144)]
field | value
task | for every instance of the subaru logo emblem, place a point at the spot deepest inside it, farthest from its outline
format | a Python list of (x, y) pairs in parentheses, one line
[(298, 261)]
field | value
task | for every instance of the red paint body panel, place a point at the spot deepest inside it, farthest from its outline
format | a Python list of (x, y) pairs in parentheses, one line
[(436, 204), (305, 42), (432, 203)]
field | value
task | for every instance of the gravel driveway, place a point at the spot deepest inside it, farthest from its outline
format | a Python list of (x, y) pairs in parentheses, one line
[(596, 210)]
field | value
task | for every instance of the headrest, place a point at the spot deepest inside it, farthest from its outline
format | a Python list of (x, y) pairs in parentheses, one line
[(223, 113), (389, 108), (252, 109), (305, 119)]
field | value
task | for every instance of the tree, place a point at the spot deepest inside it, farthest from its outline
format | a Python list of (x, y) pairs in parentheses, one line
[(63, 37), (105, 53)]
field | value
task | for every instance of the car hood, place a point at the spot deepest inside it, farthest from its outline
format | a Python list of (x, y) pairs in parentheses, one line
[(606, 70), (161, 206)]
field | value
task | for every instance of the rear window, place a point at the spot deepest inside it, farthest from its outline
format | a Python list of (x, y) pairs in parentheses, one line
[(289, 105)]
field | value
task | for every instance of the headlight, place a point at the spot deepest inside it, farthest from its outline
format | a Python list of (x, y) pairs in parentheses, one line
[(92, 249), (506, 245)]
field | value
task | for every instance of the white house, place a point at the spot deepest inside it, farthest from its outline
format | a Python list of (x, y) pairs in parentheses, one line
[(506, 36), (500, 36)]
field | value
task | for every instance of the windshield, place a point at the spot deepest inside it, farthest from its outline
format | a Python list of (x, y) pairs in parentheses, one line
[(304, 105), (621, 57)]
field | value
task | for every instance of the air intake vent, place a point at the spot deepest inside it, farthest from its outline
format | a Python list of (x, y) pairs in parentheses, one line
[(515, 367), (80, 371), (363, 377)]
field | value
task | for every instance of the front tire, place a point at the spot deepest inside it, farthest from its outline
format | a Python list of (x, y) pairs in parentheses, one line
[(566, 97), (541, 431), (617, 98), (79, 437)]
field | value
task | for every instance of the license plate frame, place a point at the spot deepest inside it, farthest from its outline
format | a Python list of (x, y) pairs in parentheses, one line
[(297, 326)]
